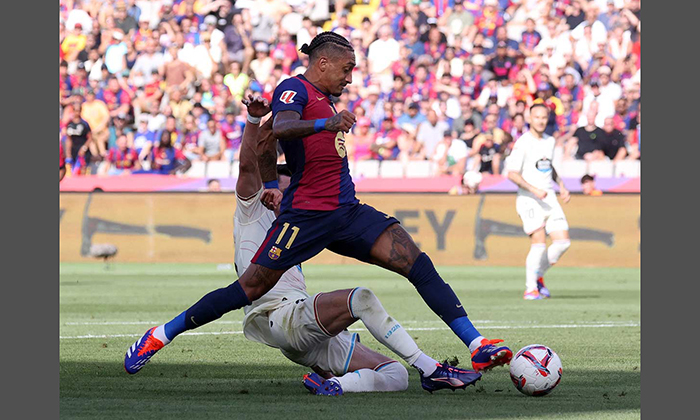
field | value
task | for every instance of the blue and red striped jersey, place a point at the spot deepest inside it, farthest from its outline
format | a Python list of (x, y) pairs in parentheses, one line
[(319, 164)]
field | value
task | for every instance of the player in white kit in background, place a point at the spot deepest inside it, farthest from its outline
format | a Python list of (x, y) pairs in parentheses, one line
[(312, 330), (530, 167)]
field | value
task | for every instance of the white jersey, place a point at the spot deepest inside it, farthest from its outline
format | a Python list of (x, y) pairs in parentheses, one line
[(251, 222), (532, 158)]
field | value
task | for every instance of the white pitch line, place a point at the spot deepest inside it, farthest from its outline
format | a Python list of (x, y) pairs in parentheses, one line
[(437, 321), (240, 322), (494, 327)]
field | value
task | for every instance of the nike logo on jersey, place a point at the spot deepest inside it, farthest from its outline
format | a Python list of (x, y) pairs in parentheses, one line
[(320, 99), (192, 319), (459, 306)]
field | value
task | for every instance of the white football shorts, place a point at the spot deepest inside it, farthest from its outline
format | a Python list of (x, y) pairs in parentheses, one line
[(303, 340), (536, 213)]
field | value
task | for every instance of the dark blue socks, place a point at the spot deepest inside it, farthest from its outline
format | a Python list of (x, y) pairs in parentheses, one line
[(440, 297), (209, 308)]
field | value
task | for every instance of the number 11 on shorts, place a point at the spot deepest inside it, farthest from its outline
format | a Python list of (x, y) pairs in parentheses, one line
[(295, 232)]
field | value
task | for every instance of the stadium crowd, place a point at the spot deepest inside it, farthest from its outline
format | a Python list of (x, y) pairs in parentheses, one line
[(151, 86)]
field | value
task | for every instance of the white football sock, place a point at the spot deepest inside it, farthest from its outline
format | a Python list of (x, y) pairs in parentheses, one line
[(425, 364), (556, 250), (159, 333), (532, 265), (364, 304), (475, 343), (390, 377)]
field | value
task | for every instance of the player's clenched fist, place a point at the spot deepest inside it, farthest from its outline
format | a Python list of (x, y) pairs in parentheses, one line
[(342, 121), (271, 198)]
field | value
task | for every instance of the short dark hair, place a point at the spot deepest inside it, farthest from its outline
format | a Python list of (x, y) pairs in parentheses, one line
[(586, 178), (539, 105), (323, 42)]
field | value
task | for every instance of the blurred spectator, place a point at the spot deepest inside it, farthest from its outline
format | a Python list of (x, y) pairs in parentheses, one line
[(487, 157), (179, 106), (73, 43), (143, 137), (177, 73), (385, 144), (588, 186), (115, 96), (459, 20), (359, 142), (466, 114), (413, 116), (489, 129), (634, 136), (451, 155), (587, 140), (214, 185), (613, 141), (530, 38), (236, 80), (78, 142), (121, 159), (190, 139), (96, 114), (211, 143), (409, 148), (165, 159), (430, 133), (462, 60)]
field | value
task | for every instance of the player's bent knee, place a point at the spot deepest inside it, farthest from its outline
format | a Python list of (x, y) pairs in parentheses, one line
[(361, 300), (557, 249), (396, 376)]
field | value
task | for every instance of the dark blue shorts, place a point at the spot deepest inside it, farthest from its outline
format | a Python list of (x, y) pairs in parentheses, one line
[(298, 235)]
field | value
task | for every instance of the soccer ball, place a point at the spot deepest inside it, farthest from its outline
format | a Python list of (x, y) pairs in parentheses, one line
[(535, 370)]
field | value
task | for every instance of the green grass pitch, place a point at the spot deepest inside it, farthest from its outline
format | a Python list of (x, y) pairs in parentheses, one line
[(592, 322)]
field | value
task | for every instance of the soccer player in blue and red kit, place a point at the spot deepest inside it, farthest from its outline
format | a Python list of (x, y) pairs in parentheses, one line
[(319, 210)]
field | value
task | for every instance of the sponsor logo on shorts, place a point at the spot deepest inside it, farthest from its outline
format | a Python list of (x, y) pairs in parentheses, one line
[(274, 253)]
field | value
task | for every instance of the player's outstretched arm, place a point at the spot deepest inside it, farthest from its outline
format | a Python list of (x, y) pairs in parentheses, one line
[(249, 182), (288, 125)]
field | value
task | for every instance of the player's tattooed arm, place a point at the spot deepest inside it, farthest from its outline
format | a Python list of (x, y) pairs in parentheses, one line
[(267, 153), (288, 125), (249, 183)]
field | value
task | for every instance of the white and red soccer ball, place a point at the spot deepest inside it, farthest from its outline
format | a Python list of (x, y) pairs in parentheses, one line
[(535, 370)]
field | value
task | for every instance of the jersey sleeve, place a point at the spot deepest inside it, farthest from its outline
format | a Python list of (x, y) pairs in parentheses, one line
[(514, 162), (249, 208), (290, 95)]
